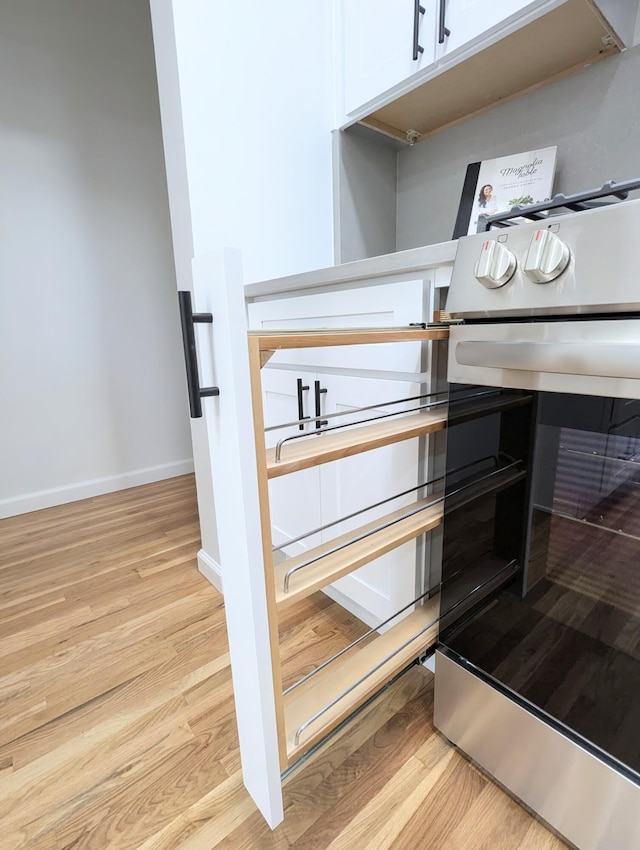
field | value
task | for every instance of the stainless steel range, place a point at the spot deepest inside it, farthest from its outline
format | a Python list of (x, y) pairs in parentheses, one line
[(538, 668)]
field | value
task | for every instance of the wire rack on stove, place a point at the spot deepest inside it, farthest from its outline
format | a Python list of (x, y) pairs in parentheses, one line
[(581, 201)]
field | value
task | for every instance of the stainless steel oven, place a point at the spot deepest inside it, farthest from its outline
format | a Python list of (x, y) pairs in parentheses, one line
[(538, 667)]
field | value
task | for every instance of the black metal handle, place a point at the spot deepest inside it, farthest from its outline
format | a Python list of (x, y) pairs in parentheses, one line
[(301, 404), (318, 392), (417, 11), (443, 31), (187, 320)]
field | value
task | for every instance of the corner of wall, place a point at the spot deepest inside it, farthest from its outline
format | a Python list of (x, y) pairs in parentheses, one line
[(211, 570)]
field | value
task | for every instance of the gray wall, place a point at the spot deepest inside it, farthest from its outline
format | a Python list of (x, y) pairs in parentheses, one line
[(593, 117), (365, 194), (92, 390)]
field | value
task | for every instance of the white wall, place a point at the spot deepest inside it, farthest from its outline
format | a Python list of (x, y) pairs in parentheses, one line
[(91, 370), (247, 101), (366, 191), (250, 86)]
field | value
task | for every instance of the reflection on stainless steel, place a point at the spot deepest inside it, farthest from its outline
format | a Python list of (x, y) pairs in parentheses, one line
[(635, 461), (597, 525), (614, 360), (581, 796)]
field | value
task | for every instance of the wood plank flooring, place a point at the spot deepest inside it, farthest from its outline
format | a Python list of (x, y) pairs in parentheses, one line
[(117, 726)]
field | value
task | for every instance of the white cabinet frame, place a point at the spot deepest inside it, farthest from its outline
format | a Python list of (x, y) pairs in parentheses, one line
[(229, 425)]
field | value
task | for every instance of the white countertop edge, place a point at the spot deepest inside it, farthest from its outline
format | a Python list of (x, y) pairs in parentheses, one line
[(415, 259)]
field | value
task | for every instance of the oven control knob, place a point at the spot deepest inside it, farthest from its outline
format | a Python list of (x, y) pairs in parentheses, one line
[(547, 257), (496, 265)]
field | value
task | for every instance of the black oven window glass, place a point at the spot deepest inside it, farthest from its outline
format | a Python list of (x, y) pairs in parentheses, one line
[(489, 438), (565, 634)]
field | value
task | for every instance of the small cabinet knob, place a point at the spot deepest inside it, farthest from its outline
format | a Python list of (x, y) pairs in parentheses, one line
[(496, 265), (547, 257)]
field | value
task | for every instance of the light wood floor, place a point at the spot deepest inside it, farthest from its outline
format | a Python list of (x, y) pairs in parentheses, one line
[(116, 713)]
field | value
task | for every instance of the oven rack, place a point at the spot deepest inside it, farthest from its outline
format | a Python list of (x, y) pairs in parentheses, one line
[(576, 203), (473, 587)]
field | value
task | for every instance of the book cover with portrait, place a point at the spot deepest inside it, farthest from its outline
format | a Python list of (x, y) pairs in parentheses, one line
[(497, 185)]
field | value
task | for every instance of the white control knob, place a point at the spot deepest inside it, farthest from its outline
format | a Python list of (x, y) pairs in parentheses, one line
[(547, 257), (496, 265)]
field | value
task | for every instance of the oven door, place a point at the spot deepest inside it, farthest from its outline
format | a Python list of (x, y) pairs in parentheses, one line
[(541, 546)]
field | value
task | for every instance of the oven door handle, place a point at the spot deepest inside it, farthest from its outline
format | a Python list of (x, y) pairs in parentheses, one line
[(597, 359)]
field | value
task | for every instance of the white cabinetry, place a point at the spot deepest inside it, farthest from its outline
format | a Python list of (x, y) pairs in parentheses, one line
[(493, 50), (385, 41), (294, 499), (467, 19)]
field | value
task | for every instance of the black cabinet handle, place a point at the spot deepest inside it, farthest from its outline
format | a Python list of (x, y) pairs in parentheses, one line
[(443, 31), (187, 320), (417, 11), (318, 392), (301, 404)]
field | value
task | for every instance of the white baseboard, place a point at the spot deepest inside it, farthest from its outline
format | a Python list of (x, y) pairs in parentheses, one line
[(95, 487), (352, 607), (210, 569)]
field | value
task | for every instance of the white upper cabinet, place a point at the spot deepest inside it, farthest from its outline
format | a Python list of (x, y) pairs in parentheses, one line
[(476, 54), (461, 21), (385, 42), (388, 42)]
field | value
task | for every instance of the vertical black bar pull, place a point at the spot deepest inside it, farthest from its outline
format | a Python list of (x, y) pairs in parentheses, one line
[(443, 31), (301, 404), (318, 392), (187, 319), (417, 11)]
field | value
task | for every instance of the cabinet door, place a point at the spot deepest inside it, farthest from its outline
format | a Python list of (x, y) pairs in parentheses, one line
[(378, 43), (378, 589), (468, 19), (383, 305), (294, 499)]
